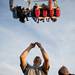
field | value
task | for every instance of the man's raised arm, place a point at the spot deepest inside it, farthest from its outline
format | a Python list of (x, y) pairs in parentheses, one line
[(45, 56), (23, 56)]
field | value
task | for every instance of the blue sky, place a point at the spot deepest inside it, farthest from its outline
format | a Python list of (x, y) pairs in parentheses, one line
[(58, 39)]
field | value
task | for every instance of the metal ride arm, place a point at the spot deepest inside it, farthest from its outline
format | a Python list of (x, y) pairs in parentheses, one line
[(13, 8), (50, 4), (11, 4), (29, 2), (55, 3)]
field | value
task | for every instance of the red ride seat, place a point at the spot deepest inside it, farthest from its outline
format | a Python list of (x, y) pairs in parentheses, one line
[(51, 12), (57, 12), (44, 13), (37, 12)]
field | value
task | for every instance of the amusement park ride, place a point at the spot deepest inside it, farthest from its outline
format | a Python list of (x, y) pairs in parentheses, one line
[(37, 12)]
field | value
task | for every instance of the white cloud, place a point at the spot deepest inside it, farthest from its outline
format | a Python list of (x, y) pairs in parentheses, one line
[(7, 69), (57, 38)]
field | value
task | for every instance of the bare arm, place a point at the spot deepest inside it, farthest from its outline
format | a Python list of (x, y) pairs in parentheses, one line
[(23, 56), (45, 56)]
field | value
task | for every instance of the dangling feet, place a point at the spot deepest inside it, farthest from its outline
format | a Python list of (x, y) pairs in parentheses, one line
[(37, 20), (21, 20)]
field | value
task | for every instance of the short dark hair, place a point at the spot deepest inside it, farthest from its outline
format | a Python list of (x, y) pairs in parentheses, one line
[(38, 59), (63, 70)]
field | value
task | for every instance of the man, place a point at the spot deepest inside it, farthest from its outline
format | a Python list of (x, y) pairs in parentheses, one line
[(36, 69), (64, 71)]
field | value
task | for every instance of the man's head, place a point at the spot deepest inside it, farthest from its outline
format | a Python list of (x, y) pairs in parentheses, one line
[(37, 61), (63, 71)]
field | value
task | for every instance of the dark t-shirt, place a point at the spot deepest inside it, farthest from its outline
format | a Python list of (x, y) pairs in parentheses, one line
[(31, 70)]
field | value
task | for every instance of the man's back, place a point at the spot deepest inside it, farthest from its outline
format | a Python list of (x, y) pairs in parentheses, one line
[(32, 70)]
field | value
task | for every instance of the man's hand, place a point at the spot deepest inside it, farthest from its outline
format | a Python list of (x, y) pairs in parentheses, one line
[(32, 45), (38, 44)]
